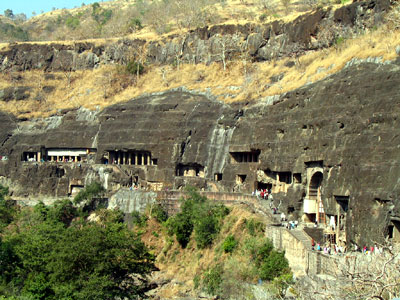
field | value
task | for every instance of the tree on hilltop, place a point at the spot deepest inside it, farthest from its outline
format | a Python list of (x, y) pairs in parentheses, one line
[(9, 13)]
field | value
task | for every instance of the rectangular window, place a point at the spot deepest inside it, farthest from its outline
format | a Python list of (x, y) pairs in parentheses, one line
[(297, 177), (343, 202), (240, 178), (245, 157)]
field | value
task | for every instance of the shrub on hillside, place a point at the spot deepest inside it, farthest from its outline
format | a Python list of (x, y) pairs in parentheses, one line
[(63, 211), (159, 213), (198, 215), (134, 68), (254, 226), (10, 32), (7, 209), (139, 219), (212, 280), (72, 22), (89, 192), (273, 265), (229, 244)]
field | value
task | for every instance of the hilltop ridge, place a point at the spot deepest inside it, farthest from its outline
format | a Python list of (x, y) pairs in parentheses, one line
[(233, 62)]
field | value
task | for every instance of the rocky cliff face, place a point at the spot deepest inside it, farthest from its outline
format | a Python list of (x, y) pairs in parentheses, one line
[(343, 131), (311, 31)]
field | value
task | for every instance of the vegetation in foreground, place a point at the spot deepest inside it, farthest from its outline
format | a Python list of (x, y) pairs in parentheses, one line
[(214, 249), (56, 253)]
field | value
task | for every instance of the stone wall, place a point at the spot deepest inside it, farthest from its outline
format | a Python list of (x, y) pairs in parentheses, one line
[(302, 260)]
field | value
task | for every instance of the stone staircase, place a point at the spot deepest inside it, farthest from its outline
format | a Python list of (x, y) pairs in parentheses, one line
[(300, 235)]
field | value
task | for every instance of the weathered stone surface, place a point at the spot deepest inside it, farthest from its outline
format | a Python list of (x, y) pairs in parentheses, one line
[(347, 127), (314, 30), (347, 124), (14, 93)]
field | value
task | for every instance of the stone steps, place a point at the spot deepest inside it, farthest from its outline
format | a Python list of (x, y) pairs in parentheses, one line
[(300, 235)]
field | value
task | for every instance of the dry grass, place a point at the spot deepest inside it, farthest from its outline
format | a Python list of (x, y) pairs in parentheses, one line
[(183, 264), (227, 12), (96, 89)]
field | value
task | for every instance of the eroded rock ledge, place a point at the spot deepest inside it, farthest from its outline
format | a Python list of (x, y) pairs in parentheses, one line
[(315, 30), (337, 139)]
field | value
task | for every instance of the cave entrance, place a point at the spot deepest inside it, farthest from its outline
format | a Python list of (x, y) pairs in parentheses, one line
[(394, 230), (263, 186), (313, 207), (314, 193), (75, 189), (240, 178)]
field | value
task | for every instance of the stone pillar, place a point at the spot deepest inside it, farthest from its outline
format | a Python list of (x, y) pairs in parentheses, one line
[(39, 156), (338, 224), (136, 158), (119, 158), (129, 158), (124, 158), (143, 159)]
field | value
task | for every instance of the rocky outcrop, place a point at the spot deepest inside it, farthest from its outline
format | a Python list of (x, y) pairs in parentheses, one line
[(311, 31), (345, 127)]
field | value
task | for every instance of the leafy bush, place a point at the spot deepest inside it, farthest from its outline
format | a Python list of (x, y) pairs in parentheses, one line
[(7, 209), (101, 16), (269, 262), (134, 68), (212, 280), (62, 211), (139, 219), (206, 229), (87, 260), (12, 32), (182, 226), (198, 215), (89, 192), (254, 227), (229, 244), (135, 24), (281, 283), (159, 213), (72, 22), (3, 192), (273, 265)]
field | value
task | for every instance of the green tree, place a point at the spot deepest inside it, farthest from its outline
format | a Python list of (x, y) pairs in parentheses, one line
[(198, 215), (91, 191), (7, 209), (212, 280), (274, 265), (85, 260), (229, 244), (9, 13)]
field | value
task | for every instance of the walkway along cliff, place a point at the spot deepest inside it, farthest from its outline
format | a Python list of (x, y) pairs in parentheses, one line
[(328, 151)]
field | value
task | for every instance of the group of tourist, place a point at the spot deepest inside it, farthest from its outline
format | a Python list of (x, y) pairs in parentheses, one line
[(335, 249), (369, 250), (263, 194), (328, 248)]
